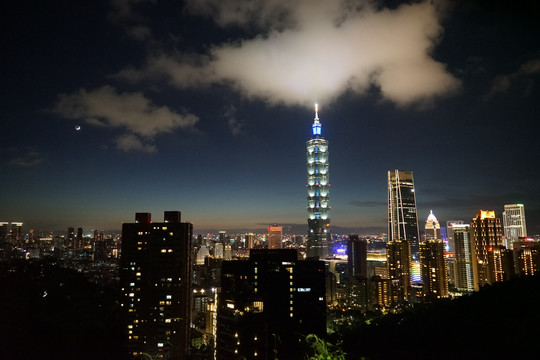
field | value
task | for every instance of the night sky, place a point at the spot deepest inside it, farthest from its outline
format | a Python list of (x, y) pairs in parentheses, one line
[(205, 107)]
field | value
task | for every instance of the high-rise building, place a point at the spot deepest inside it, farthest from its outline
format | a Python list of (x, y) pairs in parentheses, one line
[(398, 254), (527, 257), (402, 217), (268, 304), (432, 228), (487, 234), (433, 264), (318, 190), (358, 284), (155, 278), (450, 234), (249, 239), (274, 237), (514, 223), (70, 238), (464, 258), (357, 257)]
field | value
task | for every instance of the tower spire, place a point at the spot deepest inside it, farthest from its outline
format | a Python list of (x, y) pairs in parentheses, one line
[(316, 111)]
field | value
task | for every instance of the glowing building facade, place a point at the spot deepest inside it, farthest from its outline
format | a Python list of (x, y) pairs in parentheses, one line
[(432, 228), (433, 264), (274, 237), (514, 223), (402, 217), (398, 254), (487, 235), (318, 190), (464, 258)]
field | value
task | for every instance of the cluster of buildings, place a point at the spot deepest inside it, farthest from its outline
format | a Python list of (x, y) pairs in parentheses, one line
[(257, 296)]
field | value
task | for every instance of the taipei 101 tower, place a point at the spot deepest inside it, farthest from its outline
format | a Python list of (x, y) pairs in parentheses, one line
[(318, 189)]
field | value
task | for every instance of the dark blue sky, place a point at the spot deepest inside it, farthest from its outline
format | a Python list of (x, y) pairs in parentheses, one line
[(204, 108)]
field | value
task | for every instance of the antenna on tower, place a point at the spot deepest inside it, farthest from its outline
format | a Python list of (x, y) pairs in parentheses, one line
[(316, 111)]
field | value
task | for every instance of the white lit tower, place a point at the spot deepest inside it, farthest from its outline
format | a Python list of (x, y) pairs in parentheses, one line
[(318, 190)]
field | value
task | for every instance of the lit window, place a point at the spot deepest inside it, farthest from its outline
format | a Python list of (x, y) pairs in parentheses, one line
[(167, 320), (160, 344)]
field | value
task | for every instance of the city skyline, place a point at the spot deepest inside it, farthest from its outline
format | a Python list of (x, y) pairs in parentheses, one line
[(114, 108)]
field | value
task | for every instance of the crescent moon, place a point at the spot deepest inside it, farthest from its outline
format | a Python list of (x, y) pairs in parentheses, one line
[(77, 127)]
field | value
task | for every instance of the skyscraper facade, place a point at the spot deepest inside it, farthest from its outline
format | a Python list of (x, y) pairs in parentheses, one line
[(398, 254), (402, 216), (155, 278), (487, 235), (433, 264), (274, 237), (357, 257), (514, 223), (318, 190), (464, 258), (450, 234)]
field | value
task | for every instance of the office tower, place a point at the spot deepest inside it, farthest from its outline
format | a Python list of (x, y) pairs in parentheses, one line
[(357, 271), (487, 233), (527, 257), (450, 234), (79, 241), (249, 241), (357, 257), (433, 265), (318, 193), (274, 237), (402, 218), (514, 223), (219, 250), (70, 238), (268, 303), (432, 228), (398, 254), (155, 277), (464, 258), (222, 236)]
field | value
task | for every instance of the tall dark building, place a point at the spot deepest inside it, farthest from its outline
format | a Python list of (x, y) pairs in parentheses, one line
[(268, 303), (155, 277), (318, 189), (358, 284), (70, 238), (402, 215), (357, 257), (79, 241)]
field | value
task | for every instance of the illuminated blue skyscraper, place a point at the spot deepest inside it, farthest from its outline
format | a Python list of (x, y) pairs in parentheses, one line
[(318, 192)]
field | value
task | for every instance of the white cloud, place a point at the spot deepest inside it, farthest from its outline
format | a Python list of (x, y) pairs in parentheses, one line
[(129, 142), (136, 114), (315, 50)]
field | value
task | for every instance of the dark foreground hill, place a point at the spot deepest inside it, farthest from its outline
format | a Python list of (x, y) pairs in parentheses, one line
[(499, 322), (50, 312)]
